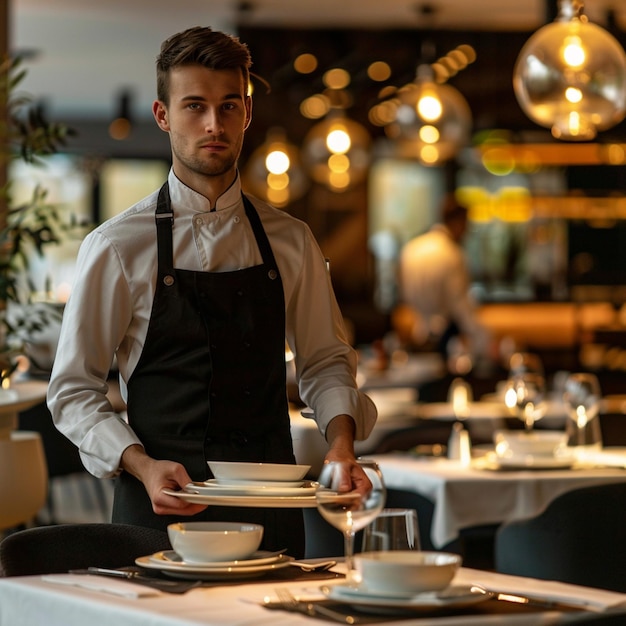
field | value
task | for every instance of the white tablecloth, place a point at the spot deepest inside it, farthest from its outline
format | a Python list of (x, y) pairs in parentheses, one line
[(31, 601), (466, 496)]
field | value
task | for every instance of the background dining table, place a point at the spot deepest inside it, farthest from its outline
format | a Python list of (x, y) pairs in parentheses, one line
[(465, 496)]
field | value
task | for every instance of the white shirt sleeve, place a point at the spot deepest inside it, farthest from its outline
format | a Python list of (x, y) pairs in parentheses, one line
[(325, 362), (95, 320)]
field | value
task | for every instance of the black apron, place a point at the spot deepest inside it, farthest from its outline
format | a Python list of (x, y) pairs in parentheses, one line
[(211, 384)]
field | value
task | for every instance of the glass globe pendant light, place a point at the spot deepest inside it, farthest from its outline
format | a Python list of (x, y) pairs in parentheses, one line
[(570, 76), (432, 121), (274, 171), (336, 152)]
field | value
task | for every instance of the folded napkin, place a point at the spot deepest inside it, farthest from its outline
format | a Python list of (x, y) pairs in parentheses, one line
[(123, 588)]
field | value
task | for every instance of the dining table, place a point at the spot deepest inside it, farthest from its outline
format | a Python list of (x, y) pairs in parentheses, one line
[(481, 492), (76, 600)]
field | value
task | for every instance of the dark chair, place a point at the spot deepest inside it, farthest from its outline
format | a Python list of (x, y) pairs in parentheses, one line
[(57, 549), (579, 538)]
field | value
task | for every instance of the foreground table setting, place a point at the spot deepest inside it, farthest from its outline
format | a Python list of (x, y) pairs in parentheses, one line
[(56, 600)]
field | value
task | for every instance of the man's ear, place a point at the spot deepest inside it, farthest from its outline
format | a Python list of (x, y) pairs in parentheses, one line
[(160, 115), (248, 112)]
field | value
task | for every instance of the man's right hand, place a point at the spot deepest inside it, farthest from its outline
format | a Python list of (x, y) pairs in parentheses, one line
[(157, 476)]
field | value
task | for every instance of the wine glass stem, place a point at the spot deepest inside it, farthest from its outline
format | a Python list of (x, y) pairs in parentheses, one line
[(348, 543)]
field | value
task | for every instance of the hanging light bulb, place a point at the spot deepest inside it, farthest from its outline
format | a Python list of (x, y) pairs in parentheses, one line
[(274, 171), (570, 76), (336, 152), (432, 121)]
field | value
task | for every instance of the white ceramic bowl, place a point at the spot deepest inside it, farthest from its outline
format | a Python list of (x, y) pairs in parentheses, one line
[(211, 542), (518, 443), (406, 571), (265, 472)]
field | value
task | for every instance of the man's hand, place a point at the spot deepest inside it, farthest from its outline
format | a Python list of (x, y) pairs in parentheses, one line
[(157, 476), (340, 436)]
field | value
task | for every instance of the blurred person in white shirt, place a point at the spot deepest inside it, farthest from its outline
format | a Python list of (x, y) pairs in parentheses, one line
[(434, 283)]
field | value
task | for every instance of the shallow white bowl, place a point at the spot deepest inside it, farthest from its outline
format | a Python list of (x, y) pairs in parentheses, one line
[(516, 443), (209, 542), (233, 470), (406, 571)]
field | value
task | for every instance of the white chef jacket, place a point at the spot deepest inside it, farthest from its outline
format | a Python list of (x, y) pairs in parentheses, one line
[(109, 309)]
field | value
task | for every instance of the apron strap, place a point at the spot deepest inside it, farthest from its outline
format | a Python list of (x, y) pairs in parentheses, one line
[(261, 238), (164, 217)]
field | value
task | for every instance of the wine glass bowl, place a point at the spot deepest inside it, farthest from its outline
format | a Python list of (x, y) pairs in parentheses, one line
[(582, 397), (525, 393), (350, 508)]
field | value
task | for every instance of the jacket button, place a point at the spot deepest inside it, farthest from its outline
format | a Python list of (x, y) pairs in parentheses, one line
[(168, 280)]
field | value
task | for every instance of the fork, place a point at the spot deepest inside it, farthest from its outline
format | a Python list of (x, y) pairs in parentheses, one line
[(290, 603)]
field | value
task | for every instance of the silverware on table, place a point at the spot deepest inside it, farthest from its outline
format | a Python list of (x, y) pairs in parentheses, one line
[(171, 586), (540, 602), (287, 602)]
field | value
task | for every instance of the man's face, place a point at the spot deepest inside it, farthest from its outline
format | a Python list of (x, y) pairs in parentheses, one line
[(206, 118)]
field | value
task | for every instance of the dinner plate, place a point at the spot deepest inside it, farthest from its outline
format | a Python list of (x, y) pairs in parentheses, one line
[(219, 498), (451, 597), (212, 488), (262, 557), (200, 572)]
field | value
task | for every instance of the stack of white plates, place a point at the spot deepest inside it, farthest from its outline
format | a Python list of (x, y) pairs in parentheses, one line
[(259, 563)]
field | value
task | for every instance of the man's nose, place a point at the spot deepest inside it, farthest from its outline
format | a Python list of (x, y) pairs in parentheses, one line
[(213, 122)]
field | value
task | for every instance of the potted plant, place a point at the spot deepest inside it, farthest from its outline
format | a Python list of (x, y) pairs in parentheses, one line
[(29, 228)]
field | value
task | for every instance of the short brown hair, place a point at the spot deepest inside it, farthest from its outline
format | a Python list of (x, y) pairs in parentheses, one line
[(203, 46)]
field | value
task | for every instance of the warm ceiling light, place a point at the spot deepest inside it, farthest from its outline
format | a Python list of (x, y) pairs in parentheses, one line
[(274, 171), (432, 122), (570, 76), (336, 152)]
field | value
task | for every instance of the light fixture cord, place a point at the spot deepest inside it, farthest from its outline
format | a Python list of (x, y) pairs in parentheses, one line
[(570, 10)]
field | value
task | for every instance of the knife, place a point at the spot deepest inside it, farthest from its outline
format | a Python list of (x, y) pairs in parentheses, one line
[(579, 605), (173, 586)]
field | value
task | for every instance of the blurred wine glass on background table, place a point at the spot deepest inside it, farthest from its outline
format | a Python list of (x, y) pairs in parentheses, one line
[(582, 396), (525, 393)]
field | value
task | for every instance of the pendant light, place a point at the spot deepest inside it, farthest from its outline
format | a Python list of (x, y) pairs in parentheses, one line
[(570, 76), (432, 121), (274, 171)]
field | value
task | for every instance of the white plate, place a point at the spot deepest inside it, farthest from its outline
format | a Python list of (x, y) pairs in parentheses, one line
[(234, 470), (199, 572), (210, 488), (451, 597), (262, 557), (225, 482), (492, 461), (225, 499)]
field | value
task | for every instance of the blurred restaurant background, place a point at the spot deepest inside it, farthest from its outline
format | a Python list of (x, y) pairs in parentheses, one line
[(547, 240)]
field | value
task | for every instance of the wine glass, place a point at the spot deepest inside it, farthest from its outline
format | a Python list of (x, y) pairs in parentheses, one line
[(526, 394), (350, 509), (582, 396), (522, 363)]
